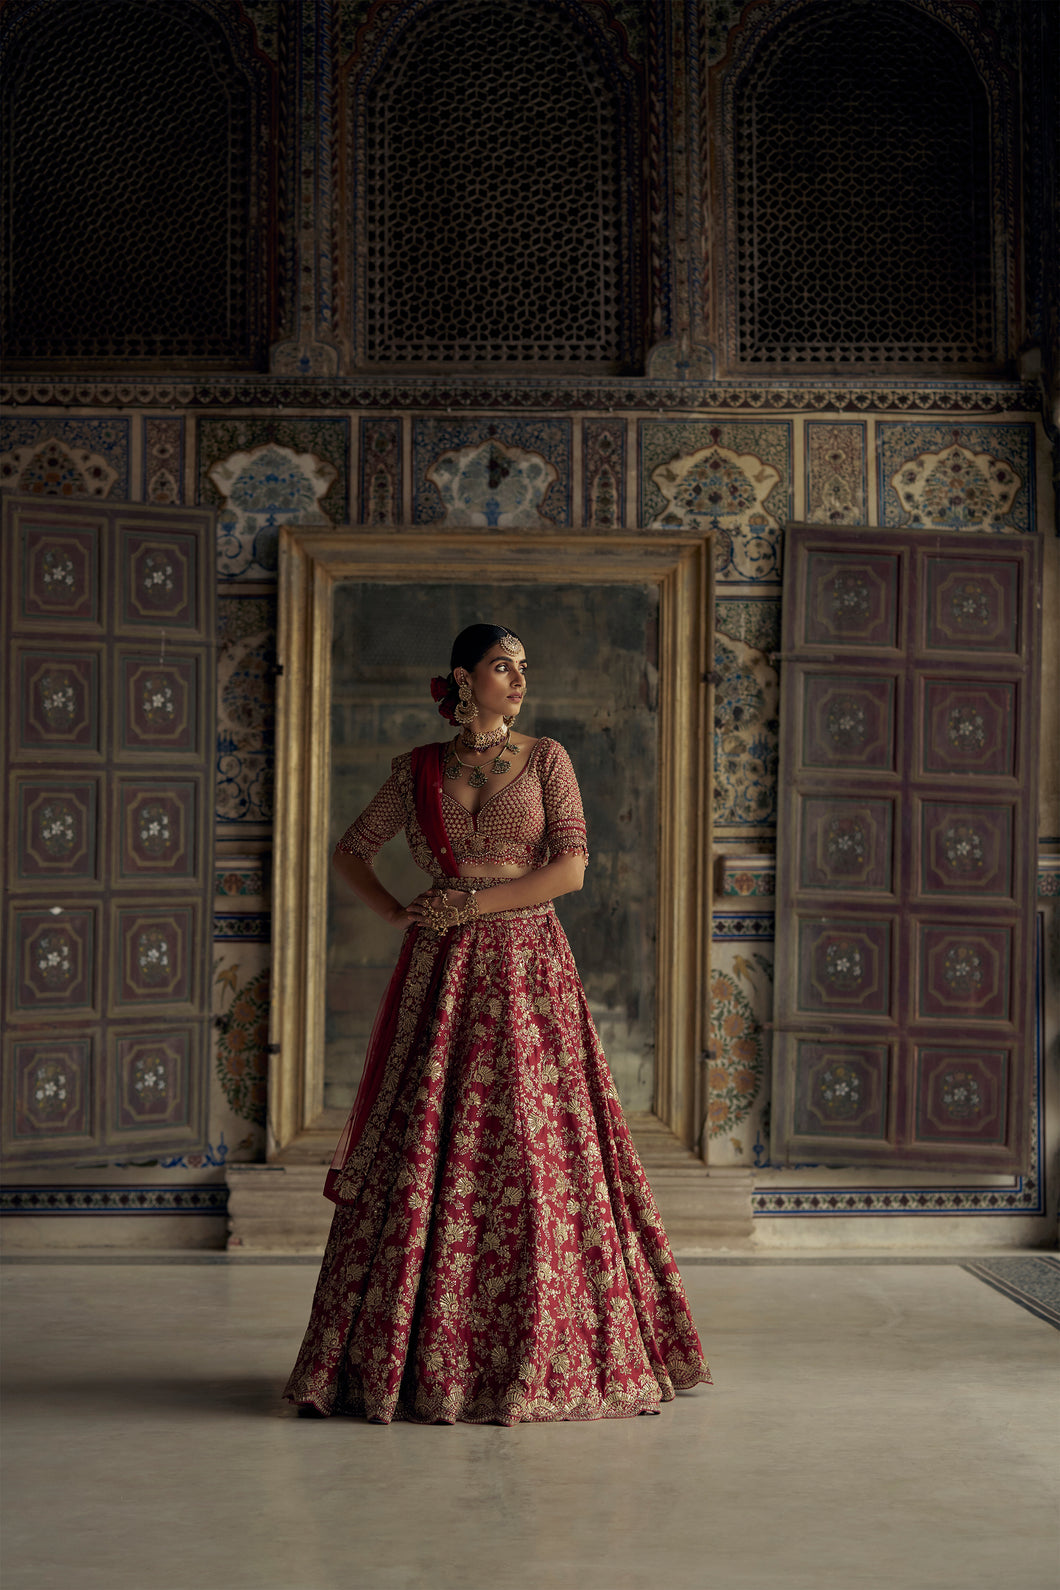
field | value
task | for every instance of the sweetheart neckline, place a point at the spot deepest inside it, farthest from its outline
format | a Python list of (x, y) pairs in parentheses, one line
[(497, 793)]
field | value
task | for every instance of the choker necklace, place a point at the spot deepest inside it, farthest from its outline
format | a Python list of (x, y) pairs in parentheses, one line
[(478, 777), (483, 742)]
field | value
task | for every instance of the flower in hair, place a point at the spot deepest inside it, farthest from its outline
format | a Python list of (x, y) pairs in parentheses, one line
[(443, 692)]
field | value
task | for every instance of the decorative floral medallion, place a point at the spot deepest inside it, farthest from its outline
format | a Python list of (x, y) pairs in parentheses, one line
[(58, 573), (851, 599), (957, 489), (839, 1092), (963, 846), (961, 1095), (56, 827), (844, 965), (965, 729), (962, 969), (150, 1077), (58, 697), (152, 955), (156, 578), (969, 605), (846, 722), (154, 830), (845, 843), (50, 1087), (53, 959), (157, 702)]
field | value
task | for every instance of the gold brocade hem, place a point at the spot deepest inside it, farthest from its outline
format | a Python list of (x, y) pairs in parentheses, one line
[(583, 1410)]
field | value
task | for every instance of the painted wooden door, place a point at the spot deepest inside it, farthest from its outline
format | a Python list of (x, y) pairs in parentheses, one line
[(109, 744), (906, 849)]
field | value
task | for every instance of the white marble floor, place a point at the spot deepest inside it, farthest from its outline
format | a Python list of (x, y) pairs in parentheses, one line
[(873, 1427)]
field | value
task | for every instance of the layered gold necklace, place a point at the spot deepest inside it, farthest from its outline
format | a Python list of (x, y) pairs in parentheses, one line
[(479, 776)]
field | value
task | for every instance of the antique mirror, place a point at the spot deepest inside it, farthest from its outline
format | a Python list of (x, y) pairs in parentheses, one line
[(617, 631)]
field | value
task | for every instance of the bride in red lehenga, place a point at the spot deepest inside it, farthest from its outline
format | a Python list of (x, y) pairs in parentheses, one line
[(495, 1253)]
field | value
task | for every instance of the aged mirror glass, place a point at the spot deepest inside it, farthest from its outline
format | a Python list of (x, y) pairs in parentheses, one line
[(593, 673), (618, 632)]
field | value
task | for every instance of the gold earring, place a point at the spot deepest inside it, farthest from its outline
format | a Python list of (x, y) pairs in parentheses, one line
[(466, 710)]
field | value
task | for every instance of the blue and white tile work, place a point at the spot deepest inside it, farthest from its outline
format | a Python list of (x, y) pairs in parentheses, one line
[(261, 474), (492, 472)]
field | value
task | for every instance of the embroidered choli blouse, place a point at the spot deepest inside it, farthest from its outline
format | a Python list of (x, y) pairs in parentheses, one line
[(531, 820)]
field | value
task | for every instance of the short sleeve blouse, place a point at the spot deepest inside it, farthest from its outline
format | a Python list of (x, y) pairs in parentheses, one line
[(531, 820)]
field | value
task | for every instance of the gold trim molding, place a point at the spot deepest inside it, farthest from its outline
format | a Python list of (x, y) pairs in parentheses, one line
[(312, 562)]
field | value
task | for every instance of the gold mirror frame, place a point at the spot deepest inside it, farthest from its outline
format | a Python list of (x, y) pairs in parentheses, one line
[(679, 565)]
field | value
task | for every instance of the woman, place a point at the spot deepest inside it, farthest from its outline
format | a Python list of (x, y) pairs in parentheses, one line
[(495, 1253)]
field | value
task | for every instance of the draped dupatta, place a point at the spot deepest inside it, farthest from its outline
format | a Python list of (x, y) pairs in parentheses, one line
[(427, 762)]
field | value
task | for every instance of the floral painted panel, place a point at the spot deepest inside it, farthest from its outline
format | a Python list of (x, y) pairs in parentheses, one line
[(246, 712), (264, 473), (746, 716), (905, 868), (835, 472), (491, 472), (732, 479), (65, 458), (106, 943), (972, 477)]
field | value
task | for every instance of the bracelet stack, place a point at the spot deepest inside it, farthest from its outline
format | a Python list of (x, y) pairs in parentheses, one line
[(439, 916)]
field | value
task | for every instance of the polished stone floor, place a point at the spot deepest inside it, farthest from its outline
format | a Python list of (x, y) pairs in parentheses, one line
[(873, 1427)]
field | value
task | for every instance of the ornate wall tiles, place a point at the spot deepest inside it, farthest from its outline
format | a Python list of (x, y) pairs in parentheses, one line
[(262, 474), (241, 1056), (163, 459), (381, 498), (491, 472), (836, 475), (246, 708), (971, 477), (604, 474), (65, 457), (733, 479), (741, 991), (236, 876), (746, 721)]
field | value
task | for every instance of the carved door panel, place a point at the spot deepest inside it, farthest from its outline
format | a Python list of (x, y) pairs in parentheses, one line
[(108, 646), (906, 849)]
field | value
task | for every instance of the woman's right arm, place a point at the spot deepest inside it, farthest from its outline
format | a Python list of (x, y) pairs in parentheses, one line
[(382, 818), (360, 875)]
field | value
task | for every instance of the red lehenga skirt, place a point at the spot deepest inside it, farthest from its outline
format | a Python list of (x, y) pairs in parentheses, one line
[(497, 1255)]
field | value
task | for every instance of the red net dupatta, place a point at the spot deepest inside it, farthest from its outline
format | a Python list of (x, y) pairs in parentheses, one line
[(428, 762)]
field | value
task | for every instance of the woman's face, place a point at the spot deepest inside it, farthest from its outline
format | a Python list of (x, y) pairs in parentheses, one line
[(499, 682)]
